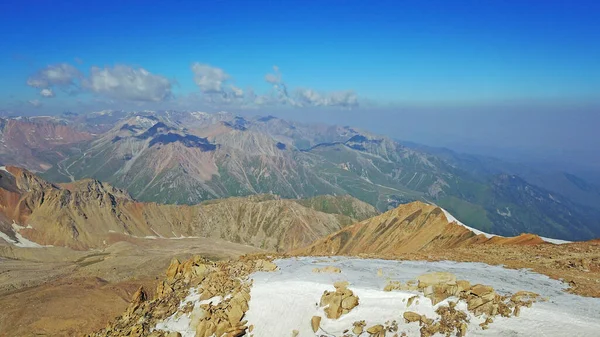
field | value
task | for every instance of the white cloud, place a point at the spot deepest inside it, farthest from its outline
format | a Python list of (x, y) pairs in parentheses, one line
[(60, 75), (237, 92), (309, 97), (36, 103), (47, 93), (210, 79), (126, 83), (274, 78), (304, 97)]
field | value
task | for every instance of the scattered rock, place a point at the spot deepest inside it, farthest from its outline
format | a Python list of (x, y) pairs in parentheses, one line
[(411, 300), (338, 302), (436, 278), (376, 330), (328, 269), (358, 328), (410, 316), (315, 322)]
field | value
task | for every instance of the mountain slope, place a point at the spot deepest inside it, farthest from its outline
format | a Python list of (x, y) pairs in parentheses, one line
[(88, 213), (36, 142), (186, 158), (414, 227)]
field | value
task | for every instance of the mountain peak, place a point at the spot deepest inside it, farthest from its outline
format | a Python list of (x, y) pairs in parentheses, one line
[(409, 228)]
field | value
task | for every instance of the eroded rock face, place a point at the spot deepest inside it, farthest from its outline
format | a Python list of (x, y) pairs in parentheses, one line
[(338, 302)]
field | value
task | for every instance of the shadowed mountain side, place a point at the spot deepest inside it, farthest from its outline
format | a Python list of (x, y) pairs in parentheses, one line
[(91, 214)]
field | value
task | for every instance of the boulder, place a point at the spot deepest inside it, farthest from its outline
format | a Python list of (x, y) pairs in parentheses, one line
[(436, 278), (315, 322), (410, 317)]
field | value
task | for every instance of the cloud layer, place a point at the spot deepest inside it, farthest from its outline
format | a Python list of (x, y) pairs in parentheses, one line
[(127, 83), (210, 79), (59, 75), (217, 88), (47, 93), (305, 97)]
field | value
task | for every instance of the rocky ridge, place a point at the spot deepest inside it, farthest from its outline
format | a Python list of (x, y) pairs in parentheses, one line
[(409, 228), (91, 214)]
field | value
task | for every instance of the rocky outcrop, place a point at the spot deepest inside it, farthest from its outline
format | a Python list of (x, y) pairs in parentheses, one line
[(338, 302), (213, 295)]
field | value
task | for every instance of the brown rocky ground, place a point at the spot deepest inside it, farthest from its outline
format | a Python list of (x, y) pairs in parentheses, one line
[(59, 292)]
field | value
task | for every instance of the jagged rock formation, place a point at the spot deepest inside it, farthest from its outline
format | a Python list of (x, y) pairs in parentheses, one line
[(409, 228), (90, 213)]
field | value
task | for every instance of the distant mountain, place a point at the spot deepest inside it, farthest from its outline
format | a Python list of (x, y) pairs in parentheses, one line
[(91, 214), (190, 157), (36, 142), (576, 188)]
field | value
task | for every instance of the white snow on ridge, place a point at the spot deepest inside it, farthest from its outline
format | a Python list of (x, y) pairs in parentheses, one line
[(3, 168), (451, 219), (286, 299)]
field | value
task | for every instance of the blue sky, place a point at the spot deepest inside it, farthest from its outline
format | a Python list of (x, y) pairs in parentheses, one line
[(426, 52), (386, 59)]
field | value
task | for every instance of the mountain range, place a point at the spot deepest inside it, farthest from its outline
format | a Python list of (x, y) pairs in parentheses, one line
[(189, 157), (90, 214)]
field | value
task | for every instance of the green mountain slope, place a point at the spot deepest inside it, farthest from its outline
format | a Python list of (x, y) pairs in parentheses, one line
[(190, 158)]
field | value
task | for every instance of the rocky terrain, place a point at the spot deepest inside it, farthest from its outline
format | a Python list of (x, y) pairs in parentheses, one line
[(330, 263), (90, 214), (189, 157), (104, 279), (251, 295), (54, 291)]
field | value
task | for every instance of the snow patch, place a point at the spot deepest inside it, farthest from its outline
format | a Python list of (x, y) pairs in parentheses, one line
[(21, 241), (7, 238), (286, 299), (181, 323)]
